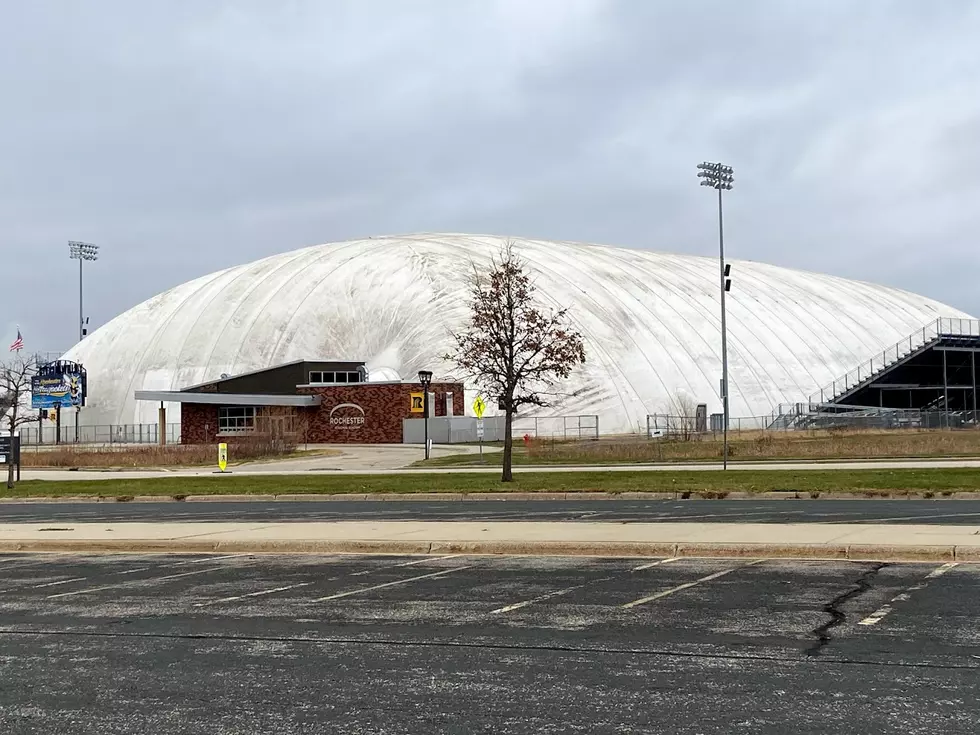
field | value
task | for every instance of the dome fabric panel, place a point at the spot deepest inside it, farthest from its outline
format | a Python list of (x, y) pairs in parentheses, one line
[(650, 322)]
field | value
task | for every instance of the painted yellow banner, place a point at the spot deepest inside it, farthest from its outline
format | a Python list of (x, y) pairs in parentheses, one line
[(418, 403)]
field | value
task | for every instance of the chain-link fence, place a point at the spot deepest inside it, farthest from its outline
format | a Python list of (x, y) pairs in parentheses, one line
[(685, 427), (566, 427), (99, 434), (887, 419), (802, 417)]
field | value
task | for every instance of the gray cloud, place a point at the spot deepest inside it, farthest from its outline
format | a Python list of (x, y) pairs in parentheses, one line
[(185, 136)]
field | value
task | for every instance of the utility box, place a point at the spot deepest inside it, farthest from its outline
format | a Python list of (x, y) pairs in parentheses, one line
[(701, 418), (717, 422)]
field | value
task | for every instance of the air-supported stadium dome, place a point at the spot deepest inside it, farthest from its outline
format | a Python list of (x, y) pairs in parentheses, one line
[(650, 322)]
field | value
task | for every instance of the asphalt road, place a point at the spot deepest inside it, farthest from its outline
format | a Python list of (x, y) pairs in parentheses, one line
[(628, 511), (398, 645)]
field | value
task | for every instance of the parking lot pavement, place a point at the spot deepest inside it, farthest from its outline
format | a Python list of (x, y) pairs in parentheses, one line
[(956, 512), (469, 644)]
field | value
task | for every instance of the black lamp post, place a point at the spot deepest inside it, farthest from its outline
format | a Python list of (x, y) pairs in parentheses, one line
[(425, 378)]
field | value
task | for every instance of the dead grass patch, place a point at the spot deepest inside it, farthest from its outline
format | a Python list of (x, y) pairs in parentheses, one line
[(176, 455), (812, 445)]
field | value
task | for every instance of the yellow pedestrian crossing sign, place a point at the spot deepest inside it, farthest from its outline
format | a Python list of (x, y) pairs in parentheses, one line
[(479, 406)]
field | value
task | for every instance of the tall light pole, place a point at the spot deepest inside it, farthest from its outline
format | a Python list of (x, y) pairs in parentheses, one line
[(81, 251), (720, 177), (425, 379)]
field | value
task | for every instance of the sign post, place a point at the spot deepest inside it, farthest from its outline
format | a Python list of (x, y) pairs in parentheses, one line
[(10, 451), (222, 457), (479, 406)]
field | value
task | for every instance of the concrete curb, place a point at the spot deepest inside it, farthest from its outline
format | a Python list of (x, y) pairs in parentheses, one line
[(862, 552), (488, 496)]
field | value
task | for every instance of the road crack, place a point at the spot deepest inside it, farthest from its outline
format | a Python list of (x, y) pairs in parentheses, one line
[(837, 616)]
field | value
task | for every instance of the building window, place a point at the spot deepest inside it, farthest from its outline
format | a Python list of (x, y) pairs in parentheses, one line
[(321, 378), (236, 419)]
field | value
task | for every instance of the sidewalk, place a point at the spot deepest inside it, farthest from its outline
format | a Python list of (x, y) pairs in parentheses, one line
[(797, 541), (326, 465)]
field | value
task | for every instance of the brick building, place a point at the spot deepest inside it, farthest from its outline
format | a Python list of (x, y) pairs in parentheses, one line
[(317, 402)]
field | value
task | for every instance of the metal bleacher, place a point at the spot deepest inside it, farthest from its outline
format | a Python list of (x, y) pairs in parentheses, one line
[(933, 370)]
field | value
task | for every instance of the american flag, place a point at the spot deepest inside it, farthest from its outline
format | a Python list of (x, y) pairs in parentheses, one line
[(18, 344)]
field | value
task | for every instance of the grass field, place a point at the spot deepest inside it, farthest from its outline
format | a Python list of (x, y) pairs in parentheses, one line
[(874, 483), (745, 446)]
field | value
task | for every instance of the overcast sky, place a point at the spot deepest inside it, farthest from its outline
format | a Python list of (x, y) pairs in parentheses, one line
[(188, 136)]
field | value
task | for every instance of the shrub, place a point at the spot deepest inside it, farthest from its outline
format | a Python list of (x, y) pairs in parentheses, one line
[(154, 455)]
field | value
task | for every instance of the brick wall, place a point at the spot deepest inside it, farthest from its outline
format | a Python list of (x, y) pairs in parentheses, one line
[(373, 412), (198, 423), (365, 413)]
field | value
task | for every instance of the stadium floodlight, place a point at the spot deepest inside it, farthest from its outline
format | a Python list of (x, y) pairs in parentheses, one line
[(721, 177), (425, 379), (81, 251)]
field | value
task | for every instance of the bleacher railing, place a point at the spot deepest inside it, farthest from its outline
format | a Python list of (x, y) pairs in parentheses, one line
[(944, 327)]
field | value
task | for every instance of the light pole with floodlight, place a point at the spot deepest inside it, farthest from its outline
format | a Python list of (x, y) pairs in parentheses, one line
[(425, 378), (719, 176), (81, 251)]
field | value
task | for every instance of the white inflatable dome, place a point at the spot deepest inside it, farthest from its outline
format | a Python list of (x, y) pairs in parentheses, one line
[(650, 322)]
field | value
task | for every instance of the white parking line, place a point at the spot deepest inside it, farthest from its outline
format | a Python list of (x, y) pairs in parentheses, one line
[(566, 590), (55, 584), (940, 571), (260, 593), (654, 564), (688, 585), (151, 580), (878, 615), (403, 564), (392, 584), (539, 598), (219, 557)]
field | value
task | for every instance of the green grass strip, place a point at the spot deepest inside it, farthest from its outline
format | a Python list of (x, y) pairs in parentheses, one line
[(809, 481)]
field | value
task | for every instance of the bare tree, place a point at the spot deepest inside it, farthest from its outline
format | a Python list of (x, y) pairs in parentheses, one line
[(15, 384), (685, 410), (512, 348)]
